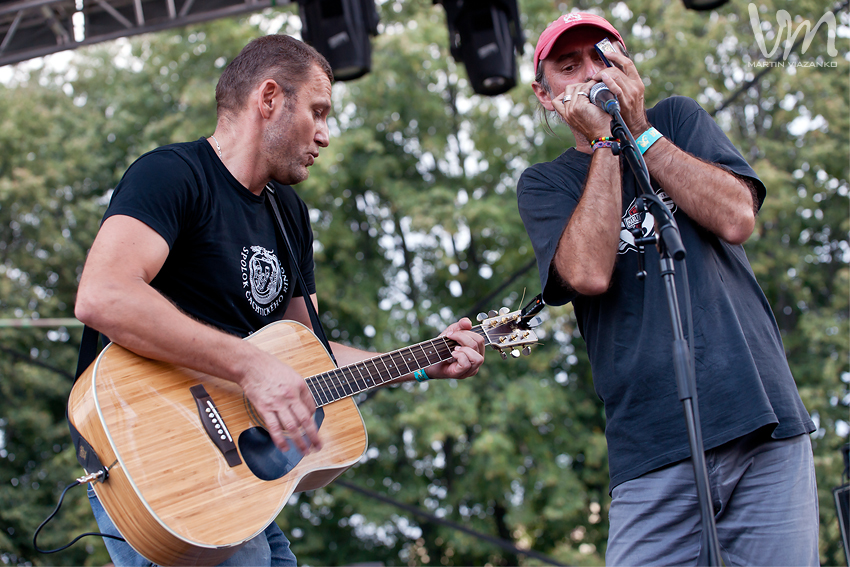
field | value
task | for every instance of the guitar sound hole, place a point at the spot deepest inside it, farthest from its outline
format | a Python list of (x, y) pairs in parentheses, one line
[(263, 458)]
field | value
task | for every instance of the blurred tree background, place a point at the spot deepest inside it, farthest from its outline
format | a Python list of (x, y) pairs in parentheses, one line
[(414, 211)]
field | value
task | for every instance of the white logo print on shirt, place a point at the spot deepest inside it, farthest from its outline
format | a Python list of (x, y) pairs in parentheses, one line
[(632, 218), (262, 279)]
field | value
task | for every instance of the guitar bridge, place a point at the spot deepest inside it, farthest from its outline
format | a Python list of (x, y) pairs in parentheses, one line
[(214, 425)]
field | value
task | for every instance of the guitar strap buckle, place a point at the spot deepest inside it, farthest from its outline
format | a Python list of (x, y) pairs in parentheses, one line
[(87, 456)]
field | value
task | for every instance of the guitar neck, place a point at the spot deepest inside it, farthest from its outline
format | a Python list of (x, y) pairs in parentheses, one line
[(374, 372)]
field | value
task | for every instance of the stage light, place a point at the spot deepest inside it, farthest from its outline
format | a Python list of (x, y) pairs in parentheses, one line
[(484, 35), (703, 5), (340, 30)]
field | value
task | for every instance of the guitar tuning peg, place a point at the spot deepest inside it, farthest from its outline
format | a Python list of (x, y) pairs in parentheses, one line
[(492, 313), (515, 353), (481, 317), (526, 351), (504, 311), (503, 354)]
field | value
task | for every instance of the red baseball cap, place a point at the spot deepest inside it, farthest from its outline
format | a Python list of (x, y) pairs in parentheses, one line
[(551, 34)]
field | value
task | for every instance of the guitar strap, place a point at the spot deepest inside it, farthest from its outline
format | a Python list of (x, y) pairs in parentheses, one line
[(314, 317), (86, 455)]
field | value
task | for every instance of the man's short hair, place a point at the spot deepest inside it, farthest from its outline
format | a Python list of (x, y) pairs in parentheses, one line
[(281, 58)]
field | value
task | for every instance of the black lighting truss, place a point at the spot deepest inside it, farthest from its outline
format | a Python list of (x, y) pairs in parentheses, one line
[(34, 28)]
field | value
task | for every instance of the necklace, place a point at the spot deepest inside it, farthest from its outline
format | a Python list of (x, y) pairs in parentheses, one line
[(216, 145)]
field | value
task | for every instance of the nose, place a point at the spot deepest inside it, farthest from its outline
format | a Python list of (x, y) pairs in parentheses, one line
[(593, 66), (322, 137)]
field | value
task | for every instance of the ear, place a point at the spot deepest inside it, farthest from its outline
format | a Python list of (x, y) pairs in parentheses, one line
[(543, 96), (267, 97)]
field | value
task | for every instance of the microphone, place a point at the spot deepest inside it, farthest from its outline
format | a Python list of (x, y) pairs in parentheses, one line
[(604, 98)]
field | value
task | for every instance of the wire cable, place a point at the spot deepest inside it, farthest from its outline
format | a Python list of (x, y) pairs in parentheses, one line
[(77, 482)]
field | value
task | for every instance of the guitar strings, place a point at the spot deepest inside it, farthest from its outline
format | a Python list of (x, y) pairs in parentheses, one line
[(335, 381), (335, 388), (335, 384)]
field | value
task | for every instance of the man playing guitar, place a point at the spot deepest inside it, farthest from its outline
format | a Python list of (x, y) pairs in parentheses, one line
[(188, 261)]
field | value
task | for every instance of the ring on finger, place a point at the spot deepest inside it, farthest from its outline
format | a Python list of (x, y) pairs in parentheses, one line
[(585, 94), (566, 99)]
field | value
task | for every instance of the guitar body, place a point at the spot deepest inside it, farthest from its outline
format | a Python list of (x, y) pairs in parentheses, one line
[(170, 491)]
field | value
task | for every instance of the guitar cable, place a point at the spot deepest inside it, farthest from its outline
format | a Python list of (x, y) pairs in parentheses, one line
[(94, 477)]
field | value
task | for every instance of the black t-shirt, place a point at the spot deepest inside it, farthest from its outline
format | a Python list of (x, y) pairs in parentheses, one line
[(227, 264), (743, 379)]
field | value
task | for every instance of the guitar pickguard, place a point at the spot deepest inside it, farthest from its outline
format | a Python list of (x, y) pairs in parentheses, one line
[(264, 459)]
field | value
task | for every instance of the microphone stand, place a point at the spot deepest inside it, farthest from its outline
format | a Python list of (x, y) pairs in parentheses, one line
[(670, 247)]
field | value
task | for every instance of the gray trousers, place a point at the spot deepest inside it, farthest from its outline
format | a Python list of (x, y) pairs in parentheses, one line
[(765, 503)]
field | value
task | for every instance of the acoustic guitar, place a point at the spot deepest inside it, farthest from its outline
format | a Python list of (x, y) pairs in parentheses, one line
[(192, 473)]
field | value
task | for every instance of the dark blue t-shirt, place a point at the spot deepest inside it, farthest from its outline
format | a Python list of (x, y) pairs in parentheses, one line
[(227, 264), (743, 379)]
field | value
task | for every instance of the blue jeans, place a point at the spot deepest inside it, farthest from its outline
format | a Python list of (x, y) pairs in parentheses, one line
[(765, 508), (270, 548)]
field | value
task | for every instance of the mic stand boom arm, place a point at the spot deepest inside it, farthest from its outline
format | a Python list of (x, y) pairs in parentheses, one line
[(669, 243)]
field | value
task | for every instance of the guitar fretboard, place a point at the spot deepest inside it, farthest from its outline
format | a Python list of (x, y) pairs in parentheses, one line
[(374, 372)]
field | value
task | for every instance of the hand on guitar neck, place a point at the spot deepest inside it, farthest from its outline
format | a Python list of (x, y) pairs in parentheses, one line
[(467, 356)]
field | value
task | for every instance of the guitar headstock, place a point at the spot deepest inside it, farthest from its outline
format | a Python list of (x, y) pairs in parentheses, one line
[(508, 331)]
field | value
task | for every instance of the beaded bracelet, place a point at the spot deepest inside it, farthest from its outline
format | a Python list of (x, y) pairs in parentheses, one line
[(613, 144), (605, 139), (420, 376), (645, 140)]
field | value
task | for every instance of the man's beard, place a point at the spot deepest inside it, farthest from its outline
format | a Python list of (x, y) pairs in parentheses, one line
[(286, 165)]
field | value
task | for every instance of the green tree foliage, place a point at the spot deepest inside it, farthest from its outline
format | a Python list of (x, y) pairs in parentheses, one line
[(414, 211)]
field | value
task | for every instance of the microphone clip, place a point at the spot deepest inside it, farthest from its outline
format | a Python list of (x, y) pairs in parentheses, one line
[(640, 240), (615, 148)]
